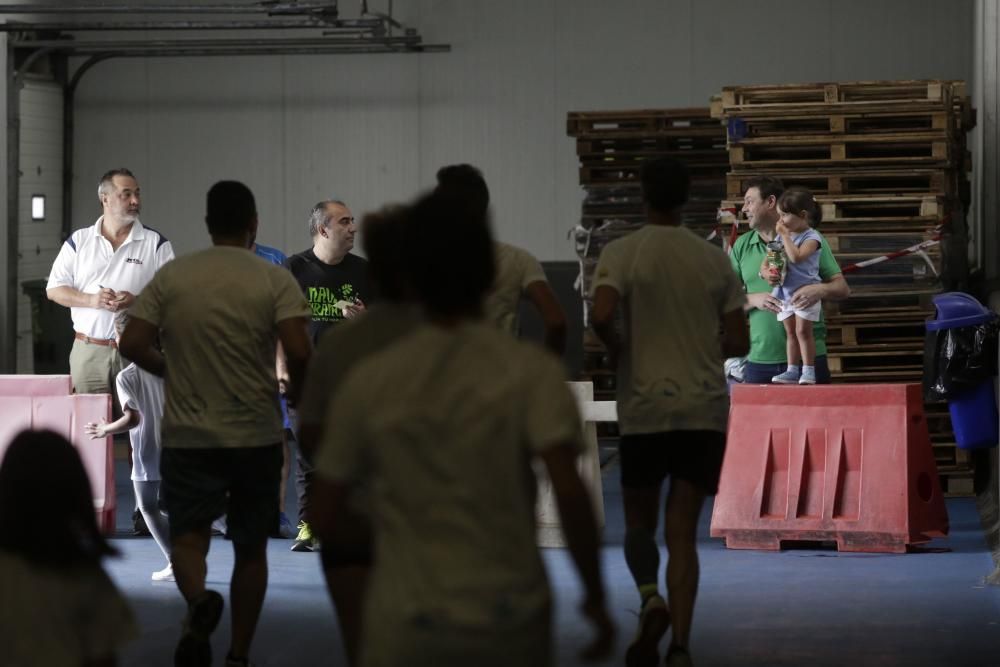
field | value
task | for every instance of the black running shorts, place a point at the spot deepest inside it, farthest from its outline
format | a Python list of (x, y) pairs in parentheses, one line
[(696, 456), (200, 485)]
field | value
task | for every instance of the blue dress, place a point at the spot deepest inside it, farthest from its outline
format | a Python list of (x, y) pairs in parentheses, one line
[(805, 272)]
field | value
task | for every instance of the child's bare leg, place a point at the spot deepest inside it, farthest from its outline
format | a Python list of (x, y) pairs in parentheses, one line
[(792, 343), (806, 342)]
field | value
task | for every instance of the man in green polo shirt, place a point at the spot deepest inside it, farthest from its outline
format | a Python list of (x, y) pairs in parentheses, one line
[(767, 335)]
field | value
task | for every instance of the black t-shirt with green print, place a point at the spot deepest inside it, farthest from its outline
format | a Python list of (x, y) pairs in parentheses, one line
[(324, 285)]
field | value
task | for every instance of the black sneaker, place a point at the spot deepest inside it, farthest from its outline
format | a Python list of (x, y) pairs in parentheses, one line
[(678, 657), (194, 648), (654, 619)]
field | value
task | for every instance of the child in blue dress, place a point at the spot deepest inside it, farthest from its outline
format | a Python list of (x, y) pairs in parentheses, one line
[(799, 213)]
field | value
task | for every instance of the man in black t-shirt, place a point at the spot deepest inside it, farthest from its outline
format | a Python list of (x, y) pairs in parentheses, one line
[(337, 286), (334, 281)]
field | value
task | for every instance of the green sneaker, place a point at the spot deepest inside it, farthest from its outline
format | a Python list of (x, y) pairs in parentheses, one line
[(305, 541)]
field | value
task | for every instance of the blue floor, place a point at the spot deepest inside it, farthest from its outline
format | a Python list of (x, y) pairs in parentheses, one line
[(797, 607)]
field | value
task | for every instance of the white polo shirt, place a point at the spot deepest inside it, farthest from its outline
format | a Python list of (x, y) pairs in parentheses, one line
[(87, 262)]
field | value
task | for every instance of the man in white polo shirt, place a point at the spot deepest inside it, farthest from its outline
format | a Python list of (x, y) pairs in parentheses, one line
[(99, 271)]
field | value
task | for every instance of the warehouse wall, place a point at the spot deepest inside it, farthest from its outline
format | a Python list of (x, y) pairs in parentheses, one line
[(7, 312), (372, 129)]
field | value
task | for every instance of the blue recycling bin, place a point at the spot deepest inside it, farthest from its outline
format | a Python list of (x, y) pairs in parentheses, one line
[(973, 408)]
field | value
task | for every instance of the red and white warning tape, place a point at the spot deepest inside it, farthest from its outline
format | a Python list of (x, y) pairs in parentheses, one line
[(916, 249)]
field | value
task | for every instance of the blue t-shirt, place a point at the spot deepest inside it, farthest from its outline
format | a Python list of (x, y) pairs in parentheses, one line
[(804, 272), (274, 256)]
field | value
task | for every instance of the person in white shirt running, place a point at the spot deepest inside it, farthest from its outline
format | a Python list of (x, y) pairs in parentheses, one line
[(141, 397)]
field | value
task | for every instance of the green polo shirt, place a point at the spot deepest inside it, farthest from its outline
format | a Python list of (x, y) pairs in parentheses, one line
[(767, 334)]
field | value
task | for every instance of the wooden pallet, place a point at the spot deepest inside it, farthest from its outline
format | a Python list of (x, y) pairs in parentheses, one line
[(874, 303), (896, 121), (698, 161), (838, 181), (866, 334), (861, 150), (706, 176), (956, 481), (950, 454), (810, 102), (642, 122), (615, 196), (650, 145), (855, 245), (821, 96), (876, 213), (875, 317)]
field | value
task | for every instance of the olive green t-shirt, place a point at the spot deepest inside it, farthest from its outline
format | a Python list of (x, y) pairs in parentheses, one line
[(515, 270), (767, 334)]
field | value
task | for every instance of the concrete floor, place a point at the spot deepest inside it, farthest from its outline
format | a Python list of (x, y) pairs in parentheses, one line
[(792, 608)]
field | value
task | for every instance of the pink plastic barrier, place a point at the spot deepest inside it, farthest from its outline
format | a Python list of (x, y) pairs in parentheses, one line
[(66, 414), (36, 385)]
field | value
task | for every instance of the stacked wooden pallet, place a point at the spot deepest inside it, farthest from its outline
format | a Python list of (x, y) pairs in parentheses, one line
[(888, 163), (612, 147)]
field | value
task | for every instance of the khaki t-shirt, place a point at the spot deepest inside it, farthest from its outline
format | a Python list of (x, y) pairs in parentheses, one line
[(516, 269), (218, 311), (55, 617), (444, 425), (675, 287), (344, 345)]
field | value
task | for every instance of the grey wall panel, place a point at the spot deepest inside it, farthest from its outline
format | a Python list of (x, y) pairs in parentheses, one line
[(209, 120), (41, 151), (351, 132), (373, 129), (112, 118), (901, 39), (491, 103)]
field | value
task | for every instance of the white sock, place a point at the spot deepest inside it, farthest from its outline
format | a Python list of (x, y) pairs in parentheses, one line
[(792, 368), (809, 370)]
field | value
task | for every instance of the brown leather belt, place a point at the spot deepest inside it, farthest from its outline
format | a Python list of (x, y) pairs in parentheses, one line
[(105, 342)]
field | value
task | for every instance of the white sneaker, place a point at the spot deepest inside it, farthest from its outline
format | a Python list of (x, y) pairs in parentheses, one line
[(219, 526), (166, 574)]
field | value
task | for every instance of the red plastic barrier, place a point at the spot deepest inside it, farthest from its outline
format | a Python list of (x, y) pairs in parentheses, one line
[(850, 463), (66, 415)]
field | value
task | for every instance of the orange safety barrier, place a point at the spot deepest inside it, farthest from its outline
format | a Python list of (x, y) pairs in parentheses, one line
[(32, 407), (845, 463)]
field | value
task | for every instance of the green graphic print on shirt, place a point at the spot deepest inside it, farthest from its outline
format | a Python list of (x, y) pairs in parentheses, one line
[(323, 302)]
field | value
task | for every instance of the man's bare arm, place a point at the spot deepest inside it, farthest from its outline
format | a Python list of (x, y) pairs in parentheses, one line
[(70, 297), (602, 319), (579, 526), (138, 343), (335, 524), (735, 334), (763, 301), (834, 289), (540, 294), (293, 334)]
